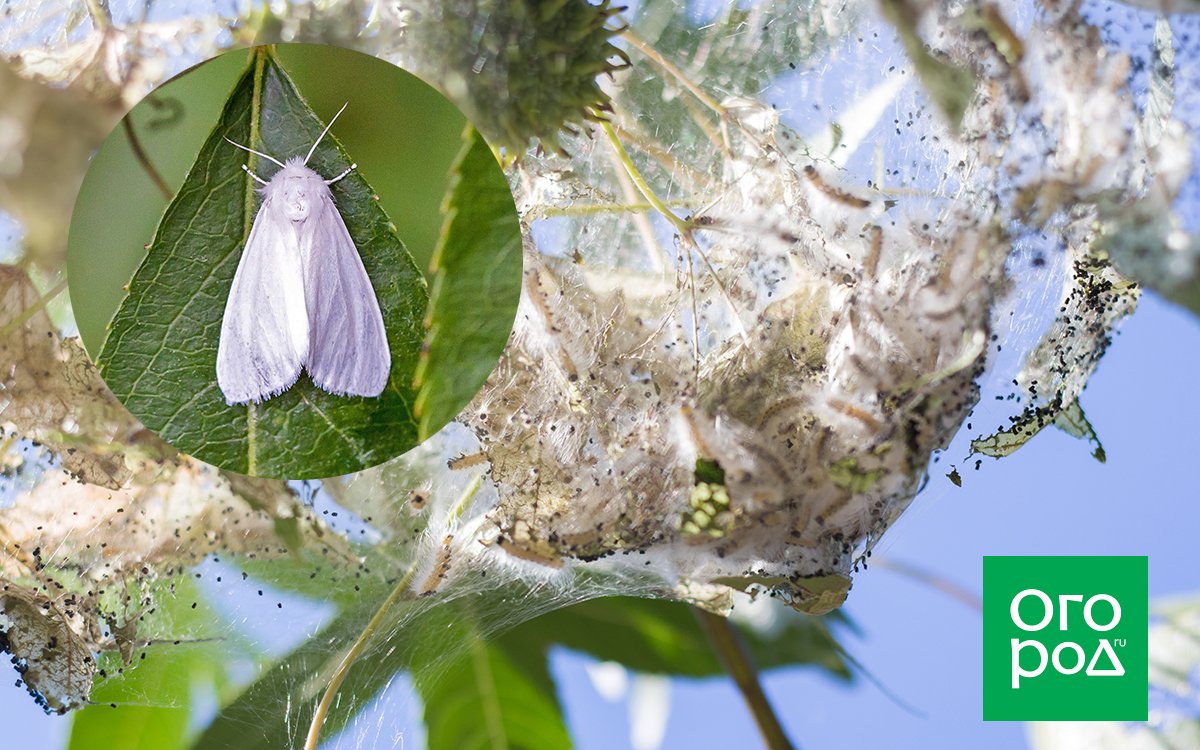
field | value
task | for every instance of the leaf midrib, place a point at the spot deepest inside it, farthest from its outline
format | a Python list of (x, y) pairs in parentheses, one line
[(260, 56), (488, 697)]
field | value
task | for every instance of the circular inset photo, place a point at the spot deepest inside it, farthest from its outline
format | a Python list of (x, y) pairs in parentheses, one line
[(295, 261)]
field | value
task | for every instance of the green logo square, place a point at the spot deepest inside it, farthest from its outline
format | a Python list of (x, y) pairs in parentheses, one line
[(1065, 639)]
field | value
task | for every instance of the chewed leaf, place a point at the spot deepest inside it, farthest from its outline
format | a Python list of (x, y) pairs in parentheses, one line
[(474, 296), (1096, 298), (1074, 422), (1070, 419), (176, 671), (160, 354), (1006, 442)]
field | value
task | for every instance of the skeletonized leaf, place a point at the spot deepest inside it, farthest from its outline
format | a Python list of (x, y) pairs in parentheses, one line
[(155, 695), (55, 396), (50, 641), (1096, 299), (190, 511)]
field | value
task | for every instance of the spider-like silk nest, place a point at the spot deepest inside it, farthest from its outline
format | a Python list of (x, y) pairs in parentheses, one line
[(818, 341), (744, 401), (834, 356)]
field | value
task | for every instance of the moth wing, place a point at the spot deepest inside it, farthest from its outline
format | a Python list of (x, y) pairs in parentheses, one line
[(348, 350), (264, 332)]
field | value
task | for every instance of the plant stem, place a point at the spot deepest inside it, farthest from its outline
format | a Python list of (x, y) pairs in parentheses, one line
[(100, 14), (258, 58), (143, 158), (400, 592), (675, 72), (734, 656), (351, 656), (682, 226)]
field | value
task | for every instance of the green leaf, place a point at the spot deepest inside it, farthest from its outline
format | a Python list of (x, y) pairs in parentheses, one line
[(153, 698), (318, 578), (464, 681), (160, 354), (709, 471), (740, 51), (663, 637), (489, 693), (131, 725), (299, 679), (493, 695), (260, 719), (475, 291)]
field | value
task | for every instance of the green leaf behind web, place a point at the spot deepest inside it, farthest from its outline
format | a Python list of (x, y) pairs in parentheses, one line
[(663, 637), (160, 354), (259, 717), (482, 692), (493, 694), (154, 696)]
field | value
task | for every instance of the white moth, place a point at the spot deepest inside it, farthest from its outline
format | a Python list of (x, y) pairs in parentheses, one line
[(300, 297)]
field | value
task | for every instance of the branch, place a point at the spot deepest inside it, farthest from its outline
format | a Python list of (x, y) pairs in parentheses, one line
[(734, 656)]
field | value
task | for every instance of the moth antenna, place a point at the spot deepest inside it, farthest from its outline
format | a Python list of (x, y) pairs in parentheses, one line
[(349, 169), (256, 153), (323, 132), (246, 169)]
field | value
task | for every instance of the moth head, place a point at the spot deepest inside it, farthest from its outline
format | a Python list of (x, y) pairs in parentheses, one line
[(296, 187)]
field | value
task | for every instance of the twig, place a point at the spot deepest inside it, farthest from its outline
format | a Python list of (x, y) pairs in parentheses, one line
[(735, 658), (100, 14), (588, 209), (351, 656), (675, 72), (941, 584), (143, 158), (634, 136), (683, 227), (654, 252), (656, 57)]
